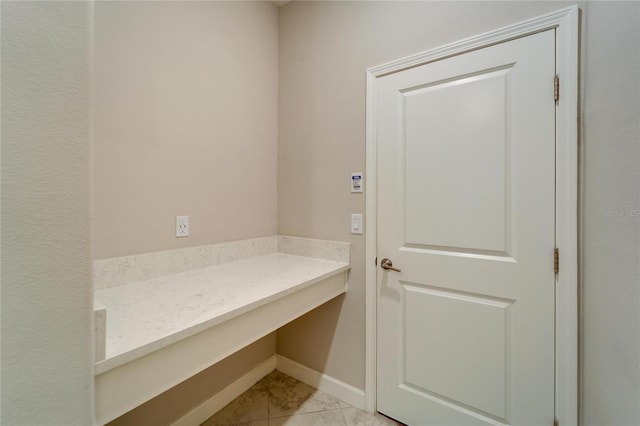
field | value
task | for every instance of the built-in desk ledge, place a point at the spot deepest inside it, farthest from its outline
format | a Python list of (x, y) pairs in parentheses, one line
[(170, 315)]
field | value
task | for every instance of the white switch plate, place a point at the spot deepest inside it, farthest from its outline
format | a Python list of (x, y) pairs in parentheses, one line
[(182, 226), (356, 224)]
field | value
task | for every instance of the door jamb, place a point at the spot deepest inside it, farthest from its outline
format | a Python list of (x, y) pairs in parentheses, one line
[(565, 21)]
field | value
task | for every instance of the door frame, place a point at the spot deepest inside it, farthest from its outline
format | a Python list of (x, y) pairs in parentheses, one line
[(566, 23)]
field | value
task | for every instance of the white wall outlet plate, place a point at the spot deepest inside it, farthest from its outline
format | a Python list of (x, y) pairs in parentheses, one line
[(182, 226)]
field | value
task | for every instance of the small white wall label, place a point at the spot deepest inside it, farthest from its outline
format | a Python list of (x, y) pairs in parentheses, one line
[(356, 182)]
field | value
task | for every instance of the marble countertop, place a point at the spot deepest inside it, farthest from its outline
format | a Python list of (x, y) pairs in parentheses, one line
[(146, 316)]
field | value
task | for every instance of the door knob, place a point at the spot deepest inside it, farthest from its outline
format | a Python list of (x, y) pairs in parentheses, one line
[(387, 264)]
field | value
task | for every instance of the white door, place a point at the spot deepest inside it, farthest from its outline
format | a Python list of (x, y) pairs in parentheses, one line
[(465, 211)]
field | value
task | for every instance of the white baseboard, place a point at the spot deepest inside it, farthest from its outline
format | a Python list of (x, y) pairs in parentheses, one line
[(347, 393), (218, 401)]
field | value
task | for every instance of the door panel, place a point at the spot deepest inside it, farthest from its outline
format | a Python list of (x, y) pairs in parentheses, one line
[(466, 207), (470, 159), (474, 325)]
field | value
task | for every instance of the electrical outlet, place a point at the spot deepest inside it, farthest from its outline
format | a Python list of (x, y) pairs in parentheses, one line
[(182, 226)]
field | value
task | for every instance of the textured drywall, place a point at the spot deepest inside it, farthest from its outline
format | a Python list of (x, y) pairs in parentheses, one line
[(325, 49), (611, 234), (186, 123), (47, 374)]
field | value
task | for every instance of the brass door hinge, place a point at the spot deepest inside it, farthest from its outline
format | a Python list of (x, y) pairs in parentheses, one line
[(556, 88), (556, 260), (555, 422)]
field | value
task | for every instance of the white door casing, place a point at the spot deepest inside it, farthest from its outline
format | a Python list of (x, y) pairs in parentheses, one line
[(491, 240)]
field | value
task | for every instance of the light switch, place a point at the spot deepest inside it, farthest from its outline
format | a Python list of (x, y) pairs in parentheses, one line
[(356, 224)]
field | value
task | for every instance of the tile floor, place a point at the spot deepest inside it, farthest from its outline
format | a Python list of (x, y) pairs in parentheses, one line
[(279, 400)]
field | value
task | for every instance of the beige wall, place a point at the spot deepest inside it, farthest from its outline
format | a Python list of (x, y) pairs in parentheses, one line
[(611, 272), (325, 48), (47, 373), (186, 123)]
